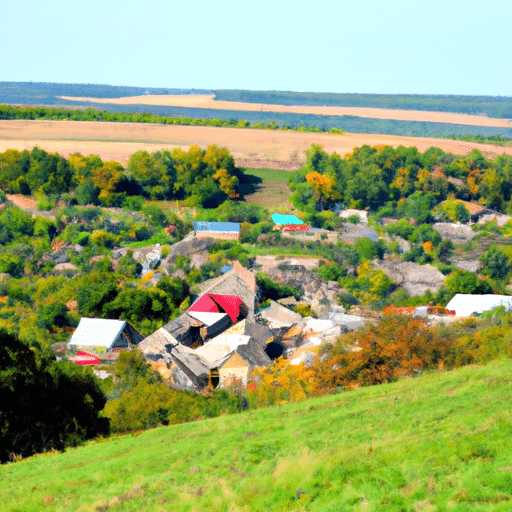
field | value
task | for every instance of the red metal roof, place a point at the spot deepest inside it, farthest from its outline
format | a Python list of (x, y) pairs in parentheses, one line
[(213, 303), (84, 359)]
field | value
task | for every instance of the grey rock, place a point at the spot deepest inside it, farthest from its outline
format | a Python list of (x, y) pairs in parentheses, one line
[(457, 233), (415, 279)]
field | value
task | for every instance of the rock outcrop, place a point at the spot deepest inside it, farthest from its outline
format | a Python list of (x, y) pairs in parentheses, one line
[(457, 233), (415, 279)]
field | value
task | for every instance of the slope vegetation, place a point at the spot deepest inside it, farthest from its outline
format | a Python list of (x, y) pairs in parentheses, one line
[(437, 442)]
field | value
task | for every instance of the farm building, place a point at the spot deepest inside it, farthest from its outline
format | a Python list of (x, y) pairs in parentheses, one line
[(221, 230), (102, 335), (236, 365), (466, 304), (239, 281), (475, 210), (214, 313), (277, 316), (280, 219)]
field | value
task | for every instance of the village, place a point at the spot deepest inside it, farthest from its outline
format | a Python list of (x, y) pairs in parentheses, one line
[(225, 333)]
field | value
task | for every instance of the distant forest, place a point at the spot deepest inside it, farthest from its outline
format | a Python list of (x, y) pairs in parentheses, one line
[(28, 94), (491, 106)]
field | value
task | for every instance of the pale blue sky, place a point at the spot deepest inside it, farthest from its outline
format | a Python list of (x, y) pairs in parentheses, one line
[(365, 46)]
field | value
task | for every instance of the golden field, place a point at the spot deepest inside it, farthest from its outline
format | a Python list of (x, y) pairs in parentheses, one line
[(250, 148), (208, 101)]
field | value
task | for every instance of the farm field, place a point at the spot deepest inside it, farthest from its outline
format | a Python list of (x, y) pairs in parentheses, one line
[(209, 102), (437, 442), (268, 187), (251, 148)]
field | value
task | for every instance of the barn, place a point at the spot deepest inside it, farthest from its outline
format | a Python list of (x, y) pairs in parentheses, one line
[(103, 335)]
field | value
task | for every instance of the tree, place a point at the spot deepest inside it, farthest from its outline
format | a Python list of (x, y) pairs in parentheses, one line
[(105, 178), (397, 345), (46, 404), (150, 173), (496, 261), (462, 281)]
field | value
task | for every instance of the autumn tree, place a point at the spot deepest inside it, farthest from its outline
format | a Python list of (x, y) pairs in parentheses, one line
[(374, 354), (105, 178)]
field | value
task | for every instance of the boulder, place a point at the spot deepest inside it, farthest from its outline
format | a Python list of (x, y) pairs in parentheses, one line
[(457, 233), (415, 279)]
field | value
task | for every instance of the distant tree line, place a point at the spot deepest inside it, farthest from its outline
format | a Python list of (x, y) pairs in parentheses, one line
[(9, 112), (491, 106)]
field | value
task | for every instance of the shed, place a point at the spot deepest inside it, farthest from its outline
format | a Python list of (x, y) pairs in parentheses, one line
[(466, 304), (104, 335), (219, 230)]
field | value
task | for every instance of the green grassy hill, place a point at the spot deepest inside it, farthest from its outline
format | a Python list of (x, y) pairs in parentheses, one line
[(437, 442)]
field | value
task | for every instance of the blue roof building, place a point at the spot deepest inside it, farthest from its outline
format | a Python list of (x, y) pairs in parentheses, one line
[(225, 230)]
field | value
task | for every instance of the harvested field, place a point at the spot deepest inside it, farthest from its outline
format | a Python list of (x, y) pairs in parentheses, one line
[(250, 148), (208, 101)]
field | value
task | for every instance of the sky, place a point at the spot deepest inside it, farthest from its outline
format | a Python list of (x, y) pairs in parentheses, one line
[(359, 46)]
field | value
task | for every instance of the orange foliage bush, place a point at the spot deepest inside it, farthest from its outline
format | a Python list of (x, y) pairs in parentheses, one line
[(397, 346)]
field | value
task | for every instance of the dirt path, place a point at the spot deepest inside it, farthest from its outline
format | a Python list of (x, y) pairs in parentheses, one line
[(259, 148)]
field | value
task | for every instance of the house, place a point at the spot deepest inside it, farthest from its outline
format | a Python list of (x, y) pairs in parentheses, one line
[(236, 365), (466, 304), (102, 335), (476, 210), (261, 334), (214, 313), (219, 230), (277, 316), (239, 281)]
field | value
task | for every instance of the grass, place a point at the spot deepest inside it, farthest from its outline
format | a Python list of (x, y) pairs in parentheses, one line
[(437, 442), (267, 187)]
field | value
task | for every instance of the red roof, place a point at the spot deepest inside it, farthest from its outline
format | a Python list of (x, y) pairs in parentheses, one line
[(84, 359), (213, 303)]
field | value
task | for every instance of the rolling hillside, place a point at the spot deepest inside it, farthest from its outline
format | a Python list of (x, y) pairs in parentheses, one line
[(437, 442)]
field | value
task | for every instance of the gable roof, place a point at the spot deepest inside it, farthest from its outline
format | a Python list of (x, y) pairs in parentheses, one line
[(250, 352), (279, 316), (217, 227), (97, 332), (216, 304), (239, 281), (258, 332)]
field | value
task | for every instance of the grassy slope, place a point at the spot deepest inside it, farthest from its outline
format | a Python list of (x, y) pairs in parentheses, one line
[(438, 442)]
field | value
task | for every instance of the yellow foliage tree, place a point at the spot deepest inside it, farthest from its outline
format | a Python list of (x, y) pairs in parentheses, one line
[(324, 186), (106, 179)]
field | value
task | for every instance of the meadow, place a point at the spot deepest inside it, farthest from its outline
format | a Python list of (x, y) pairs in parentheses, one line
[(441, 441)]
